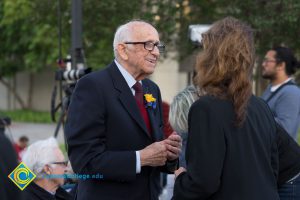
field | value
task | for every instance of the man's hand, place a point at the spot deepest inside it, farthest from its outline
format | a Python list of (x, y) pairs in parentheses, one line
[(173, 144), (154, 154)]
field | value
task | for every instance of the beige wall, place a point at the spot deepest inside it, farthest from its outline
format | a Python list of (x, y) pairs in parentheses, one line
[(43, 88), (3, 97), (43, 84), (166, 76)]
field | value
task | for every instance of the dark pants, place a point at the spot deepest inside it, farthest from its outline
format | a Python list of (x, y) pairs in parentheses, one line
[(290, 190)]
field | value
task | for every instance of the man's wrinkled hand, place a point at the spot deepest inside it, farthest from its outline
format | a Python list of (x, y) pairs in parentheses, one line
[(154, 154), (173, 144)]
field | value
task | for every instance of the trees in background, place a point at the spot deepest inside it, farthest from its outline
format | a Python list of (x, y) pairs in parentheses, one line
[(29, 29), (275, 23), (28, 34)]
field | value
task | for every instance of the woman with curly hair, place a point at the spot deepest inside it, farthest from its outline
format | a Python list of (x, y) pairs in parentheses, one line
[(231, 148)]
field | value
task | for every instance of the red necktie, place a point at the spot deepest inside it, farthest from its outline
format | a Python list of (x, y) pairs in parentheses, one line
[(140, 101), (138, 92)]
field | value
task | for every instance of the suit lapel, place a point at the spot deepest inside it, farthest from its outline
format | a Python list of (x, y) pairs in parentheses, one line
[(156, 133), (126, 97)]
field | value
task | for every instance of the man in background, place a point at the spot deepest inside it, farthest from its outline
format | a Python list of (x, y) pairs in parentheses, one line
[(282, 94), (20, 146)]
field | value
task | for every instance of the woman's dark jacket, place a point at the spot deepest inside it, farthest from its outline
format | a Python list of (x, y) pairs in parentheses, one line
[(289, 156), (35, 192)]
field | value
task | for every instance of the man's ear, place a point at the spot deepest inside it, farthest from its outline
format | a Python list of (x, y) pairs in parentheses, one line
[(122, 51), (281, 66)]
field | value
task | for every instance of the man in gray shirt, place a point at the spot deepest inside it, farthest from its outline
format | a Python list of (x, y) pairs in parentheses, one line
[(282, 94)]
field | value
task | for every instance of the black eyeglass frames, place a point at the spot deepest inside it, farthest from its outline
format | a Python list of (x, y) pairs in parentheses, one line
[(150, 45)]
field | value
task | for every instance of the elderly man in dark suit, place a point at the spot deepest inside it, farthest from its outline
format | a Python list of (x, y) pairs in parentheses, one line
[(114, 125)]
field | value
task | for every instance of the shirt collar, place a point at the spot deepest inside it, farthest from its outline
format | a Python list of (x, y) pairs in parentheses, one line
[(127, 76), (275, 87)]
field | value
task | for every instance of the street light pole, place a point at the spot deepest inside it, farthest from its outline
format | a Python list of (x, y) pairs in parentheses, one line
[(77, 54)]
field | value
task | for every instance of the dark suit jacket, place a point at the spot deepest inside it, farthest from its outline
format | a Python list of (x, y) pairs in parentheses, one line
[(225, 162), (103, 131)]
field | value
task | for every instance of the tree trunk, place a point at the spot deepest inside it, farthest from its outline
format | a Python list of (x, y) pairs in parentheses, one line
[(30, 90), (14, 92)]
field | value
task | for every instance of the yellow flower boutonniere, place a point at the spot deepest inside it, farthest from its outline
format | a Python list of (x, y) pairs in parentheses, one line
[(150, 101)]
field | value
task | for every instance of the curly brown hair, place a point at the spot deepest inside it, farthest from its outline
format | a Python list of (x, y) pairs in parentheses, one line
[(224, 67)]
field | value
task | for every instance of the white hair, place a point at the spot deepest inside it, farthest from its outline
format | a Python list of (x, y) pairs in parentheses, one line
[(124, 33), (39, 154), (179, 109)]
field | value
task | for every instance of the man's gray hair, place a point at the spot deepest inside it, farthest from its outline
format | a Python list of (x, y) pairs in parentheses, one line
[(39, 154), (179, 109), (124, 33)]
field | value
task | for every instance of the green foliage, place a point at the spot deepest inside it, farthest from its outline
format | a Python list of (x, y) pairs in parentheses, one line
[(29, 29), (28, 35), (194, 12), (28, 116), (275, 22), (104, 17)]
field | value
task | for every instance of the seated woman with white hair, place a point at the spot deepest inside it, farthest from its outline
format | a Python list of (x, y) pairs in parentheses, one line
[(47, 162)]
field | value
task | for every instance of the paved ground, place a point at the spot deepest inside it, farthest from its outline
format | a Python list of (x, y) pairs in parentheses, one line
[(168, 190)]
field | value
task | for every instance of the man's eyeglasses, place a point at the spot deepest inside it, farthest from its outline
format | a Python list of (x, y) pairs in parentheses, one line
[(150, 45), (266, 60), (64, 163)]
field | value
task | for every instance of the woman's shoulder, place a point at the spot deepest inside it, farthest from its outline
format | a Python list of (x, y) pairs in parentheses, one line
[(205, 100), (258, 102), (212, 104), (210, 100)]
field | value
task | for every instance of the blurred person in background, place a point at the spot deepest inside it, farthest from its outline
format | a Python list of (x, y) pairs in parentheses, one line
[(232, 139), (282, 94), (167, 127), (47, 162), (20, 146), (178, 116), (167, 130)]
